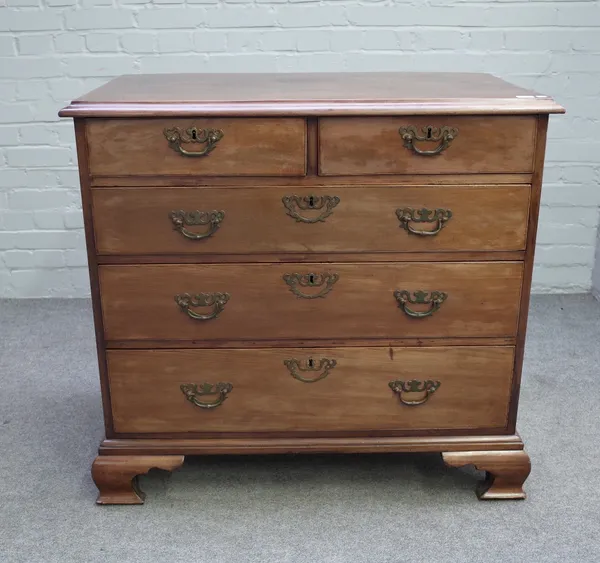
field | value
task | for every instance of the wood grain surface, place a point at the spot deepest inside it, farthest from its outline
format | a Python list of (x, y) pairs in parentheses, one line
[(116, 476), (138, 302), (372, 93), (373, 145), (249, 147), (313, 443), (473, 392), (536, 194), (313, 257), (505, 472), (92, 262), (300, 135), (484, 218), (309, 181)]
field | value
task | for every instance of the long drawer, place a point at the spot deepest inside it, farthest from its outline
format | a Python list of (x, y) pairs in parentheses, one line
[(280, 389), (321, 301), (333, 219), (197, 147), (426, 145)]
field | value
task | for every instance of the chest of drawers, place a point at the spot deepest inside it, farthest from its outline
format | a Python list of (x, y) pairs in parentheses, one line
[(310, 263)]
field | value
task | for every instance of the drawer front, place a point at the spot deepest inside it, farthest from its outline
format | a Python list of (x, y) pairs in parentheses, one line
[(296, 301), (273, 389), (248, 147), (336, 219), (468, 145)]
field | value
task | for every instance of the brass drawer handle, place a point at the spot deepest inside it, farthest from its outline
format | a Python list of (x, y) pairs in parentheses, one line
[(215, 300), (434, 299), (182, 219), (428, 387), (444, 135), (177, 136), (309, 202), (408, 215), (323, 367), (193, 391), (296, 281)]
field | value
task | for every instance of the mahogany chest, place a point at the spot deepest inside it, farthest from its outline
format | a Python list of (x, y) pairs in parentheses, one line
[(310, 263)]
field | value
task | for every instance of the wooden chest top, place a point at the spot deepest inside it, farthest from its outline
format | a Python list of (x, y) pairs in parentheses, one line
[(376, 93)]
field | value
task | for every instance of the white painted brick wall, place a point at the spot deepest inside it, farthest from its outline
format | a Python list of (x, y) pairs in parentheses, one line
[(596, 272), (54, 50)]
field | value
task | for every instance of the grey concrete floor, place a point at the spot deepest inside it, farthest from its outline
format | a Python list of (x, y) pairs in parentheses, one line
[(317, 509)]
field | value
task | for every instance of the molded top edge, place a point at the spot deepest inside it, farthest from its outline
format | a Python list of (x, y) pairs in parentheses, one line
[(378, 93)]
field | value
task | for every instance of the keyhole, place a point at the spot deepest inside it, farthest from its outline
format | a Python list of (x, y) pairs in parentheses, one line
[(429, 132), (194, 134), (311, 278), (311, 363), (311, 201)]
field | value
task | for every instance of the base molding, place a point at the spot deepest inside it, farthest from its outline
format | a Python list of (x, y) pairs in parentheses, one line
[(120, 461), (260, 445)]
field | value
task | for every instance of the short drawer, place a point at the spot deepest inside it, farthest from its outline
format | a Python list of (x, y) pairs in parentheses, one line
[(335, 219), (197, 147), (426, 145), (320, 301), (337, 389)]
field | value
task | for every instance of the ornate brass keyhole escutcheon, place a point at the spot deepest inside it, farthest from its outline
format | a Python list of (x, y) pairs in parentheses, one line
[(428, 387), (208, 137), (325, 204), (405, 298), (192, 393), (442, 135), (296, 281), (408, 215), (215, 300), (322, 368), (182, 219)]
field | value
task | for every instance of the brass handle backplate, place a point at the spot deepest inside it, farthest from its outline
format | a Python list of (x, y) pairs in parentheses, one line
[(442, 135), (428, 387), (408, 215), (405, 298), (193, 391), (324, 203), (208, 137), (296, 281), (182, 219), (215, 300), (321, 368)]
